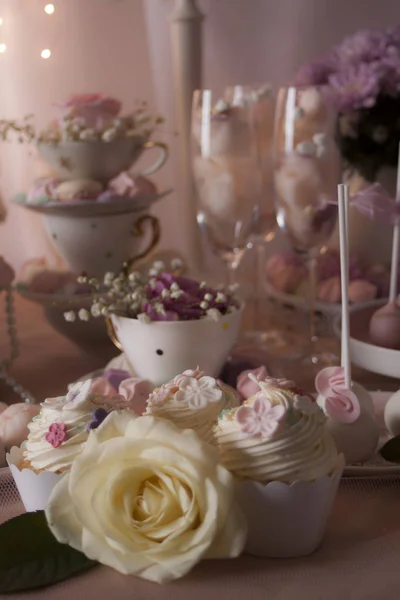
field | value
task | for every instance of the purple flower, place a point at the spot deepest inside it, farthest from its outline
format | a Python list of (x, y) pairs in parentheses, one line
[(98, 417), (357, 86), (315, 73), (363, 46)]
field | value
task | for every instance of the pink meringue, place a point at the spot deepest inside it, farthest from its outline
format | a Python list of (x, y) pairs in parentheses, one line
[(7, 274), (361, 290), (14, 423), (284, 276), (133, 390), (329, 290), (246, 386)]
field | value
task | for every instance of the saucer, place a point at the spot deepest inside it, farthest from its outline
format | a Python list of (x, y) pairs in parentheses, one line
[(115, 205), (90, 336), (363, 352)]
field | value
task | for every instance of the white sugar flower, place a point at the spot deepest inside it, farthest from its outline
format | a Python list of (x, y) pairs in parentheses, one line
[(204, 305), (175, 287), (70, 316), (208, 297), (197, 393), (109, 134), (220, 297), (165, 293), (78, 394)]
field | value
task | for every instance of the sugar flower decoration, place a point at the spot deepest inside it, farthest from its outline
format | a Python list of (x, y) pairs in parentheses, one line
[(78, 394), (261, 419), (57, 434), (97, 418), (197, 393), (340, 403), (196, 373)]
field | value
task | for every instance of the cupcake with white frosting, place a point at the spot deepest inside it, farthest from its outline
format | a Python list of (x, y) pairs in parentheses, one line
[(56, 437), (192, 400), (286, 465)]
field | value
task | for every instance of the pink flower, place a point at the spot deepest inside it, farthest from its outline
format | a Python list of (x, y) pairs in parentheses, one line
[(246, 386), (341, 403), (102, 387), (262, 419), (6, 274), (57, 434), (96, 110)]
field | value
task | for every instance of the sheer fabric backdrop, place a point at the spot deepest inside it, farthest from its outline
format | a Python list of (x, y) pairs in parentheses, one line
[(122, 47)]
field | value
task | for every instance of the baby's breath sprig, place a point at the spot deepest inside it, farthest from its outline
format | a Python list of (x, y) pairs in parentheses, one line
[(24, 130), (161, 294)]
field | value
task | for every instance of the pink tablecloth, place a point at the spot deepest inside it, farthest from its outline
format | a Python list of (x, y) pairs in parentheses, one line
[(358, 560)]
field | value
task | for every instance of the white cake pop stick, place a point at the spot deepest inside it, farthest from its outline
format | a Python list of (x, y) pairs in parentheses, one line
[(343, 194), (395, 243)]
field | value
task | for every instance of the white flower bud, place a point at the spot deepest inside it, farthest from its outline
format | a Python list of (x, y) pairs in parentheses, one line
[(208, 297), (204, 305), (70, 316), (84, 314)]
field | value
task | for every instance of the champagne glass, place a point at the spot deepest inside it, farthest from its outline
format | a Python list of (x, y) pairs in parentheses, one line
[(226, 172), (306, 174)]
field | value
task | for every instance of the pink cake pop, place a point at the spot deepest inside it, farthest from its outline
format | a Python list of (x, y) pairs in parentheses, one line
[(347, 405), (384, 328)]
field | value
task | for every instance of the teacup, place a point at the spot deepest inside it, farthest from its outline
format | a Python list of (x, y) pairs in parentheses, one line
[(98, 160), (159, 350), (101, 243)]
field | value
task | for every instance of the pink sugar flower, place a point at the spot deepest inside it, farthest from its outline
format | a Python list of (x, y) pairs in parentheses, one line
[(262, 419), (57, 434), (341, 403)]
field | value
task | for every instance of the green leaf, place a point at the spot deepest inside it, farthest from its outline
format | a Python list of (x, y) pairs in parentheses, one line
[(31, 557), (391, 450)]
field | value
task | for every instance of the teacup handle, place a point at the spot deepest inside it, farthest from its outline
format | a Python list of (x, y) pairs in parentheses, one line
[(112, 335), (139, 229), (163, 155)]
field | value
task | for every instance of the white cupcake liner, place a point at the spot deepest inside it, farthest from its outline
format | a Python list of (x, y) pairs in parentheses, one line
[(285, 520), (34, 488)]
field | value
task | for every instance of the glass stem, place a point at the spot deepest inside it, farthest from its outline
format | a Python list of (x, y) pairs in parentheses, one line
[(231, 267), (259, 284), (312, 272)]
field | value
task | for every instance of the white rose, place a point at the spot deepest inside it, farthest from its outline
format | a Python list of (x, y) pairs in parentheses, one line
[(147, 499)]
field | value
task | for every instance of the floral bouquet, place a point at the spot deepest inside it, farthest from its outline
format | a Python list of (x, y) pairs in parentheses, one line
[(362, 78)]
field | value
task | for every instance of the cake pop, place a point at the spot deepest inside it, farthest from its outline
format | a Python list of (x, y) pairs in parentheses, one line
[(384, 328), (391, 414), (347, 404)]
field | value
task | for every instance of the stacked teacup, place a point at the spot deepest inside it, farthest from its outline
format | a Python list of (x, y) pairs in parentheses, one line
[(95, 211)]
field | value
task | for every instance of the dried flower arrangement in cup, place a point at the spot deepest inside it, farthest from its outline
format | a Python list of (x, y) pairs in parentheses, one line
[(160, 294), (88, 118)]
